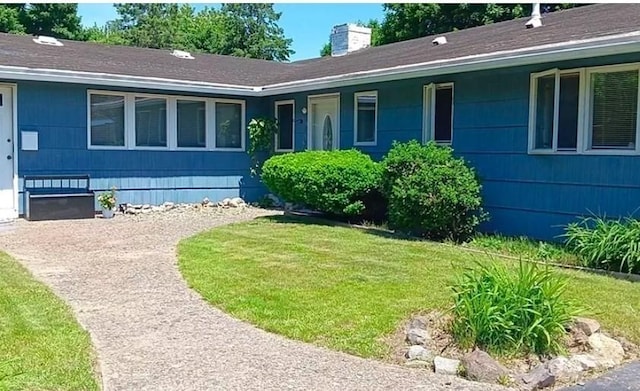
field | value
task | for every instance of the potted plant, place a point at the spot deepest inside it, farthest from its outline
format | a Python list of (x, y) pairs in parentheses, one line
[(107, 201)]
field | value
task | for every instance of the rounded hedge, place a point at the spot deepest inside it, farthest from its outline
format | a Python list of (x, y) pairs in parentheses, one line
[(334, 182), (430, 192)]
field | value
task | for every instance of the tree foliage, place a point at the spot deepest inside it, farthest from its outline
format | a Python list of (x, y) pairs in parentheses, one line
[(244, 30), (414, 20), (59, 20)]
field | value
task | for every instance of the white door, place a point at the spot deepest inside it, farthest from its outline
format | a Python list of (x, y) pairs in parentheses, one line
[(7, 206), (324, 122)]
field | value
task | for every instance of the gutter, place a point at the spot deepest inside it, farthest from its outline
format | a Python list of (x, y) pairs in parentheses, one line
[(572, 50)]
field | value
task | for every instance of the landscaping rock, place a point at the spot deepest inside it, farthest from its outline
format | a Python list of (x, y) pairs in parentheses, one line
[(540, 377), (225, 202), (588, 326), (446, 366), (417, 364), (417, 336), (418, 322), (205, 201), (563, 368), (236, 202), (577, 338), (586, 361), (607, 351), (417, 352), (480, 366)]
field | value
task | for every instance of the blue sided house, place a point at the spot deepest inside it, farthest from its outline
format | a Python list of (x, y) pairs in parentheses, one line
[(545, 108)]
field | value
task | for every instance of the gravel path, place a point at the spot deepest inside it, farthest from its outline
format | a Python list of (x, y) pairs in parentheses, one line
[(151, 332)]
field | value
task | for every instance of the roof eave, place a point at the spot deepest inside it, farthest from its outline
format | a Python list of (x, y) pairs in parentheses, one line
[(619, 44), (125, 81)]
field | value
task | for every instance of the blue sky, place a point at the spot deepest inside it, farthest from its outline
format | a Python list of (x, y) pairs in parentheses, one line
[(309, 25)]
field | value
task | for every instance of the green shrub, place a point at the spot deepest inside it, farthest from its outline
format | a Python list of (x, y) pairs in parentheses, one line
[(510, 312), (430, 192), (606, 244), (335, 182)]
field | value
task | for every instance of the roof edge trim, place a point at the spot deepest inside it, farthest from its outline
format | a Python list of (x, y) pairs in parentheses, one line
[(116, 80)]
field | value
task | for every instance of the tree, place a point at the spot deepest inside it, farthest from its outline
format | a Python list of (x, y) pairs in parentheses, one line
[(10, 19), (58, 20), (152, 25), (246, 30), (252, 31)]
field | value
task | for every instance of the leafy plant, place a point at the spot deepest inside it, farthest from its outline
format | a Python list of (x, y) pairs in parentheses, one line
[(511, 312), (431, 193), (107, 200), (335, 182), (262, 133), (606, 244)]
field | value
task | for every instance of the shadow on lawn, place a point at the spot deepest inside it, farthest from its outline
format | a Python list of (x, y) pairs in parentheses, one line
[(295, 218)]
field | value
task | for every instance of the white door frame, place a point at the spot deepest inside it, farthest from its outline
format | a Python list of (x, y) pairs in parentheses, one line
[(14, 102), (310, 99)]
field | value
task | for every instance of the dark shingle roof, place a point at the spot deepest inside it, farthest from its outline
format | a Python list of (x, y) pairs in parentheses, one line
[(574, 24)]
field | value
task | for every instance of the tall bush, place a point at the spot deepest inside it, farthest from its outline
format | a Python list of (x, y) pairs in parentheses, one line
[(430, 192), (511, 312), (606, 244), (335, 182)]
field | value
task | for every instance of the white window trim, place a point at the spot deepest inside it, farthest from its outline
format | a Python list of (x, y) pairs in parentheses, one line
[(584, 112), (172, 122), (355, 120), (429, 109), (277, 135)]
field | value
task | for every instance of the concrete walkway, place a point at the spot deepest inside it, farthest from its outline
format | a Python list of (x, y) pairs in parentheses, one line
[(152, 332)]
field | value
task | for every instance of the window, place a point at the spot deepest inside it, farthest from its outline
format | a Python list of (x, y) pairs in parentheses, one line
[(107, 120), (143, 121), (589, 110), (285, 116), (151, 122), (228, 125), (438, 113), (614, 107), (192, 132), (557, 129), (365, 118)]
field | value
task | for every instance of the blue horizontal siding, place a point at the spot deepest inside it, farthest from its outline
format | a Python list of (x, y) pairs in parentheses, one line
[(58, 112)]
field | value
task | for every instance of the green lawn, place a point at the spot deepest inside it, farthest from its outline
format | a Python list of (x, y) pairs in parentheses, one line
[(347, 288), (42, 347)]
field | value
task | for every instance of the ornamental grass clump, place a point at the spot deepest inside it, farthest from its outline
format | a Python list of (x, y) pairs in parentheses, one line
[(511, 312), (606, 244)]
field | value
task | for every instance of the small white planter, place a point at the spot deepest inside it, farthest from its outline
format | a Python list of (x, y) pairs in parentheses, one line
[(107, 213)]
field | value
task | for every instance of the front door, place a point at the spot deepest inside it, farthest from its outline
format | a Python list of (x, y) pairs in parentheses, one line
[(7, 206), (324, 122)]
